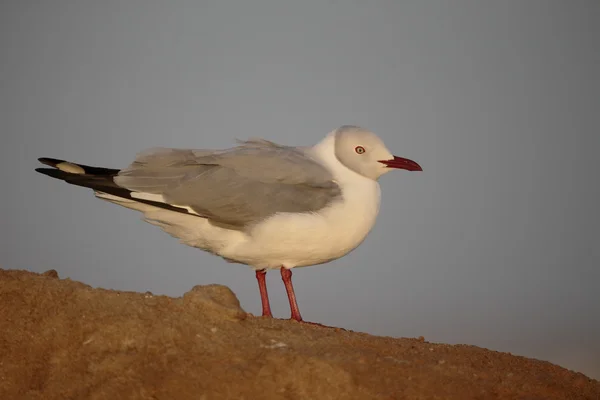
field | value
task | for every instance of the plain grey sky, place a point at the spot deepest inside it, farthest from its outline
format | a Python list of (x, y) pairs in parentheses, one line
[(495, 244)]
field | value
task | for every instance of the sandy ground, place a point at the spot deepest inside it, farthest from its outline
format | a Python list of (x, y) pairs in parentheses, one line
[(61, 339)]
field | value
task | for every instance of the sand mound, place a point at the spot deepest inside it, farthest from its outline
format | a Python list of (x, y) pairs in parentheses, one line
[(61, 339)]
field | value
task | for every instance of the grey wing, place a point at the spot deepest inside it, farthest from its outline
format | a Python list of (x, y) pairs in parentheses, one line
[(238, 186)]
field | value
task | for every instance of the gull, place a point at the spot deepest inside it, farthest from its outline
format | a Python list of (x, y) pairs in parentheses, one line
[(261, 204)]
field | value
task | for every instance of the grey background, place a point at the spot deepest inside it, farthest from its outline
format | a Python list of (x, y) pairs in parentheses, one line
[(494, 244)]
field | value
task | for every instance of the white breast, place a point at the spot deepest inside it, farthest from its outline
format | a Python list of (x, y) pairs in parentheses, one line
[(297, 240)]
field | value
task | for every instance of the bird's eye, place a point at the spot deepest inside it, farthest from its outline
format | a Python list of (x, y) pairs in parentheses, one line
[(359, 149)]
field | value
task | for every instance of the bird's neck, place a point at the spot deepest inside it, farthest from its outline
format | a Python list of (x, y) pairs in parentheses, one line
[(324, 153), (361, 194)]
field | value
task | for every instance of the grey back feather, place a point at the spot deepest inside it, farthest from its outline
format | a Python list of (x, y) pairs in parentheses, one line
[(237, 186)]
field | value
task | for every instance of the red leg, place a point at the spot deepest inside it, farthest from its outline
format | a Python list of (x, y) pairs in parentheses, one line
[(264, 296), (286, 275)]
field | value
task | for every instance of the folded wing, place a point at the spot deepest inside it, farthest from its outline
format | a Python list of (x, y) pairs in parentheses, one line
[(238, 186)]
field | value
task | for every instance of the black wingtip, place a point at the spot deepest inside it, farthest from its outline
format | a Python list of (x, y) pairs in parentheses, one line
[(87, 169), (53, 173), (101, 180), (50, 161)]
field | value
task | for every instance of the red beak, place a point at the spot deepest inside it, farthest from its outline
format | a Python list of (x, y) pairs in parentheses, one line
[(402, 163)]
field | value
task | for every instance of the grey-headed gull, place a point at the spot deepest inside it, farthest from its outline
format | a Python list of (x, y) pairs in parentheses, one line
[(260, 203)]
